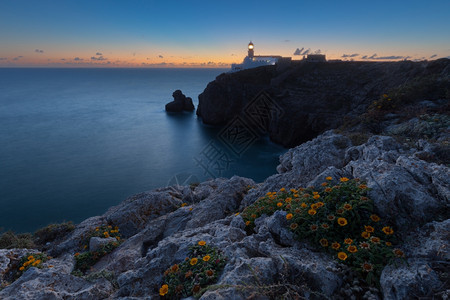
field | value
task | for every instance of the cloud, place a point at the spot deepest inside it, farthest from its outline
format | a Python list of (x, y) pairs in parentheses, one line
[(390, 57), (98, 58), (3, 58), (433, 56), (77, 59), (38, 51), (287, 41), (350, 55), (98, 53), (63, 59), (298, 51), (18, 57), (160, 56)]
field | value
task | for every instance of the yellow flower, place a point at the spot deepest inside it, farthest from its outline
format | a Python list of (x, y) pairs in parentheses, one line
[(335, 245), (282, 190), (315, 193), (375, 240), (342, 221), (329, 178), (279, 204), (118, 238), (365, 234), (202, 243), (294, 226), (303, 205), (293, 191), (22, 268), (188, 274), (328, 189), (314, 206), (313, 227), (288, 200), (342, 256), (352, 249), (184, 204), (375, 218), (366, 267), (164, 290), (106, 234), (236, 214), (296, 195), (323, 242), (253, 216), (348, 241), (37, 262), (31, 257), (347, 206), (206, 258), (398, 252), (362, 186), (388, 244), (306, 195), (324, 184), (76, 254), (364, 245), (25, 264), (369, 229), (289, 216), (316, 196), (325, 226), (344, 179), (190, 208), (50, 266), (319, 204), (388, 230), (193, 261), (174, 268), (312, 212)]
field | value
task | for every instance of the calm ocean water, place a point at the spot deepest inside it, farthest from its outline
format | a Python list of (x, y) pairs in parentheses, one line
[(74, 142)]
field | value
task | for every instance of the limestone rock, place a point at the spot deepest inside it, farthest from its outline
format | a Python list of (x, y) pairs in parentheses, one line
[(180, 103), (95, 243)]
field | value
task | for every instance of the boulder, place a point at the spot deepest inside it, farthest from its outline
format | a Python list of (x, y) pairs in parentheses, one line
[(180, 103)]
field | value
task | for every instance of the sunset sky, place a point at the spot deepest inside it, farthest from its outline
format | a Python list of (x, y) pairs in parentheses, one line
[(146, 33)]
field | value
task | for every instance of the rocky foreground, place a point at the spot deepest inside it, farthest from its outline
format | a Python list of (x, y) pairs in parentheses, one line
[(158, 227)]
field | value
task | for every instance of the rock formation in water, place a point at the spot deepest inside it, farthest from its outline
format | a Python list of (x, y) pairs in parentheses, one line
[(180, 103)]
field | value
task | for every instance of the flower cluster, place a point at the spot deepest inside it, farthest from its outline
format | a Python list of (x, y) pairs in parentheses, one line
[(200, 269), (85, 259), (31, 260), (338, 217)]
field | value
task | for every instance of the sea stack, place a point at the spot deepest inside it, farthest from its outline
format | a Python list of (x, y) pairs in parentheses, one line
[(180, 103)]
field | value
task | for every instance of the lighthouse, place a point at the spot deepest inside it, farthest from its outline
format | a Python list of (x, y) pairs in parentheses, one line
[(251, 53)]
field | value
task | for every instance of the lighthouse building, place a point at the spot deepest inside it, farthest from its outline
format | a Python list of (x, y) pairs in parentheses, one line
[(253, 61)]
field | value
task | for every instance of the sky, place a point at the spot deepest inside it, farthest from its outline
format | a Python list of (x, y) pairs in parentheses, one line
[(215, 33)]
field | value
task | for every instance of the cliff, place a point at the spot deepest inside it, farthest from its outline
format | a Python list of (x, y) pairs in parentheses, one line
[(311, 98), (349, 215)]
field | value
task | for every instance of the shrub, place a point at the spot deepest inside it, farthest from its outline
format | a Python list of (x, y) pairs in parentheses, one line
[(30, 260), (85, 260), (52, 232), (190, 277), (9, 240), (337, 218)]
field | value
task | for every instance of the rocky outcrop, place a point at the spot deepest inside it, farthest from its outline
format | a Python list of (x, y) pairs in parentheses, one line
[(180, 103), (413, 194), (309, 98)]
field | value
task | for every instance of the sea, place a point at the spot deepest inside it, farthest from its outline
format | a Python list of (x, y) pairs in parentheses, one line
[(74, 142)]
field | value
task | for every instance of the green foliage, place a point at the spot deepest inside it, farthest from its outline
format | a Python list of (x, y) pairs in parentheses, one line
[(30, 260), (9, 240), (337, 218), (199, 270), (85, 260), (103, 231), (103, 274), (52, 232)]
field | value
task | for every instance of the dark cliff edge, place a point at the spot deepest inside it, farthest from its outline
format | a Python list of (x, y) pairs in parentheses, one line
[(313, 97)]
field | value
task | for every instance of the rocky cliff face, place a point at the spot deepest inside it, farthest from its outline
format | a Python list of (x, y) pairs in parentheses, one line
[(309, 98), (158, 230)]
